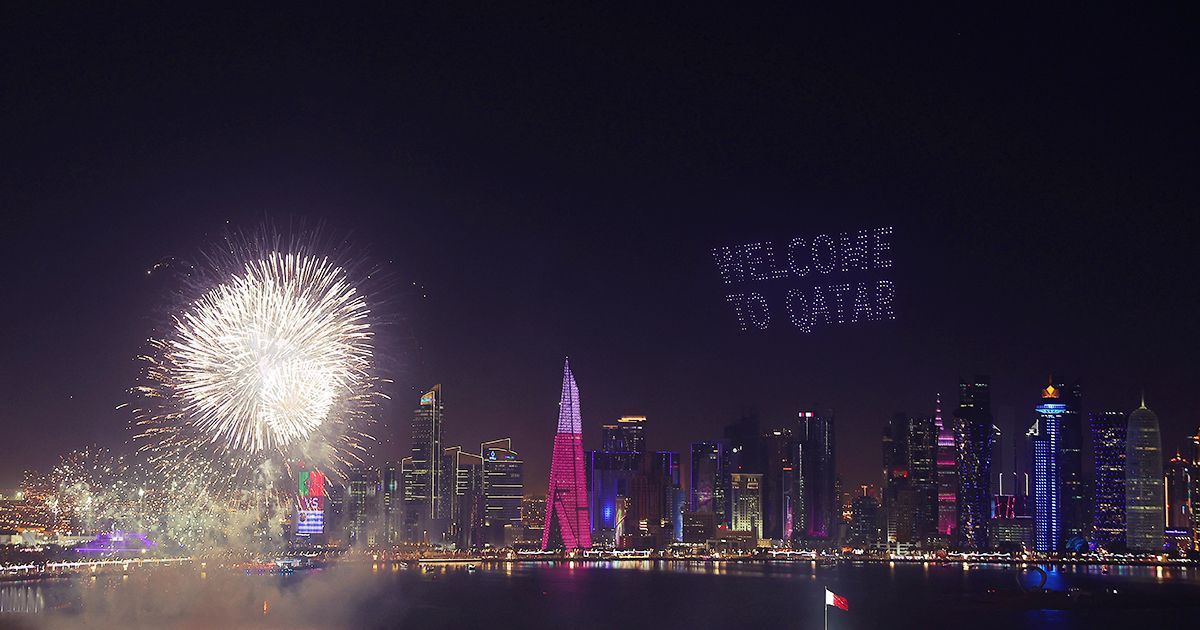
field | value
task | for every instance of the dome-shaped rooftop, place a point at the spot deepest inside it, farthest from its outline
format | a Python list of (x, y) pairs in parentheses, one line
[(1142, 415)]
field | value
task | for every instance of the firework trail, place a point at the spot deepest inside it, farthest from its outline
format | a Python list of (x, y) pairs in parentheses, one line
[(95, 490)]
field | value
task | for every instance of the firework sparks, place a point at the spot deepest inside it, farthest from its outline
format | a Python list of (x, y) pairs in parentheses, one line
[(269, 358)]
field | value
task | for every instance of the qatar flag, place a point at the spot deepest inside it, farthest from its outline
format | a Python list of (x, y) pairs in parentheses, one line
[(836, 600)]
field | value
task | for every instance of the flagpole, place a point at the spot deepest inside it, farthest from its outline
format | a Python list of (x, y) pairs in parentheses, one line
[(826, 607)]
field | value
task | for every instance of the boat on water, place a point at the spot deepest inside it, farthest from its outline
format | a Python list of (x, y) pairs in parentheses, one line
[(277, 566)]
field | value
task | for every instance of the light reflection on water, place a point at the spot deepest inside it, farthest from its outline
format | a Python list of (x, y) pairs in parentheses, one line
[(21, 598), (371, 595)]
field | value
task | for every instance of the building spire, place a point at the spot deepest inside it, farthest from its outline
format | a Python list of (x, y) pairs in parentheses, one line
[(1143, 399)]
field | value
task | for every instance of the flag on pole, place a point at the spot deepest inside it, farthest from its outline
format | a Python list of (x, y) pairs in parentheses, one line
[(832, 599)]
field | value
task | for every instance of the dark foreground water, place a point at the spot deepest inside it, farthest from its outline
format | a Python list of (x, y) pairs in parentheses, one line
[(625, 595)]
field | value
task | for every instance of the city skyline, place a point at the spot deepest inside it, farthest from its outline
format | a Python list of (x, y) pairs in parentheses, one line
[(554, 223), (599, 315)]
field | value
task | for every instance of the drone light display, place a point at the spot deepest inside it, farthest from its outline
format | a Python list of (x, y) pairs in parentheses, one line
[(798, 265)]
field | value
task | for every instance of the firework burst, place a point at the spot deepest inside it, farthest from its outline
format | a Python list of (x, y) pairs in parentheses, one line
[(268, 359)]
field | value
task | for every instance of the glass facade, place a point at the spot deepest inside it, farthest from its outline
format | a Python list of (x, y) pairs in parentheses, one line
[(1108, 505), (1144, 496)]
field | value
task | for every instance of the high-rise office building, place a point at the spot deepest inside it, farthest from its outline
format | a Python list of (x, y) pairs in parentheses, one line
[(1144, 495), (973, 437), (1178, 478), (910, 485), (707, 470), (423, 483), (746, 503), (778, 483), (899, 499), (1108, 506), (698, 527), (533, 517), (610, 482), (1074, 507), (567, 522), (665, 467), (743, 454), (503, 487), (626, 435), (818, 473), (392, 500), (1193, 455), (864, 530), (646, 525), (362, 506), (947, 474), (466, 497), (1046, 437), (922, 470), (666, 464), (335, 512)]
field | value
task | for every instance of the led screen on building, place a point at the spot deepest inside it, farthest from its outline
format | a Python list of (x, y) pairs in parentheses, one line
[(310, 503)]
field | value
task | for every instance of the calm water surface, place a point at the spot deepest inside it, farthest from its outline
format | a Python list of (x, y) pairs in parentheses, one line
[(626, 595)]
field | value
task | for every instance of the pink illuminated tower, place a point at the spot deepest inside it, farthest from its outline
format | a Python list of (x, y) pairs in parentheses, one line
[(567, 523), (947, 474)]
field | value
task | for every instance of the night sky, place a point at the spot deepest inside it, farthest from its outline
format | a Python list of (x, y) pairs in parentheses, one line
[(554, 181)]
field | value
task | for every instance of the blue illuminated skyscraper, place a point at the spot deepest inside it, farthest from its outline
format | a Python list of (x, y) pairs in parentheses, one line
[(1045, 436), (1108, 508), (610, 480)]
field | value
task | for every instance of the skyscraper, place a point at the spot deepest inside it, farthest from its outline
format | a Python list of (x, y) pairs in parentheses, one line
[(746, 503), (626, 435), (465, 497), (818, 472), (665, 467), (533, 517), (503, 487), (567, 522), (1074, 515), (362, 506), (864, 522), (922, 470), (392, 498), (973, 436), (899, 501), (1178, 477), (707, 470), (1108, 508), (777, 483), (610, 480), (1143, 482), (1046, 437), (423, 484), (947, 474), (743, 454)]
